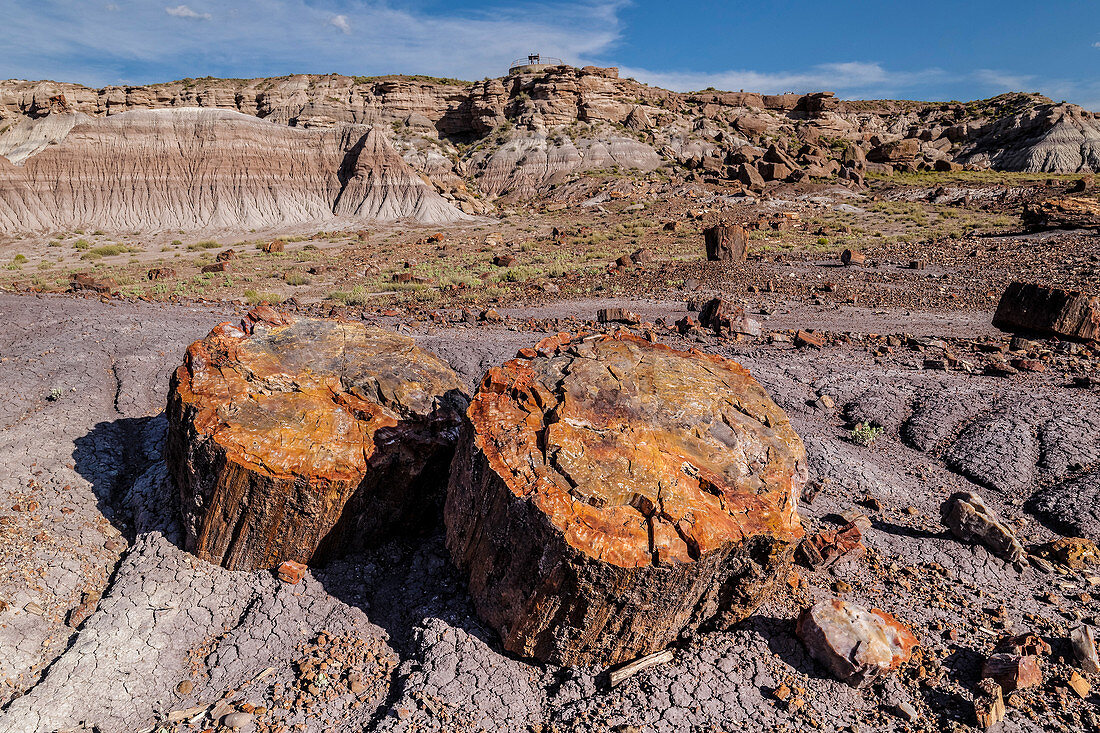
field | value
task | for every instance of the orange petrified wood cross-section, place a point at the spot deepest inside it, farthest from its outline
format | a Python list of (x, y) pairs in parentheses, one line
[(288, 435), (609, 493)]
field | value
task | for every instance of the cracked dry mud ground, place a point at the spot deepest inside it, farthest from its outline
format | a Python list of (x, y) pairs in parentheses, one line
[(88, 521)]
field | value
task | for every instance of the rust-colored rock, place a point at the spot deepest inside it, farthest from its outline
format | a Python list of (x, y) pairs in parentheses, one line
[(291, 572), (856, 644), (85, 281), (1053, 311), (276, 245), (609, 493), (1013, 671), (726, 243), (216, 267), (290, 437), (851, 257), (824, 548), (161, 273)]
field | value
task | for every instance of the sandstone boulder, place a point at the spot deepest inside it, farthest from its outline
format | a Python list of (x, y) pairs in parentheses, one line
[(609, 493), (1031, 307), (286, 434)]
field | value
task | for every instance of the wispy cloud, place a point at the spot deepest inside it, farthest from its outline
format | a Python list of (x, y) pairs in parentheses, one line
[(75, 41), (1096, 45), (341, 22), (183, 11), (852, 77)]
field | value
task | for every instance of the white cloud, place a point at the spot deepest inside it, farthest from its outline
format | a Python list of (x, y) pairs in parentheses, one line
[(850, 78), (1004, 81), (341, 22), (183, 11), (111, 8), (274, 37), (1096, 45)]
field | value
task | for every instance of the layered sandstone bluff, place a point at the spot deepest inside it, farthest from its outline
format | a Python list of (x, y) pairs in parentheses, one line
[(609, 493), (196, 168), (292, 436)]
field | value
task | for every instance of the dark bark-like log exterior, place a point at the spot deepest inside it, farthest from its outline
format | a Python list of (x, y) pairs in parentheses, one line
[(295, 438), (726, 243), (608, 494), (1049, 311)]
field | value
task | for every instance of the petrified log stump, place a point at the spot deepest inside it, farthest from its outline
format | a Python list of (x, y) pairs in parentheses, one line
[(1051, 311), (726, 243), (288, 434), (608, 494)]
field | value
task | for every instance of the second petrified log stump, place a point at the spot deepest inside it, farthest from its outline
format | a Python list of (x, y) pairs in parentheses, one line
[(295, 437), (609, 494)]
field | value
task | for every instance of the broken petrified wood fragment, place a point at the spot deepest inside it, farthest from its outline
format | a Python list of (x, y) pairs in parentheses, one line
[(824, 548), (609, 493), (1013, 671), (1053, 311), (286, 433), (989, 704), (969, 519), (856, 644)]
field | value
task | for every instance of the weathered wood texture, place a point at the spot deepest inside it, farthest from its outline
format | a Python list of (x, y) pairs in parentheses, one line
[(288, 434), (609, 493), (726, 243), (1050, 311)]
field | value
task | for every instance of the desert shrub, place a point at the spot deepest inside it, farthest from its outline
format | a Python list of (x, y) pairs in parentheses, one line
[(81, 244), (865, 433), (255, 297), (207, 244), (109, 250), (357, 296), (296, 278), (19, 259)]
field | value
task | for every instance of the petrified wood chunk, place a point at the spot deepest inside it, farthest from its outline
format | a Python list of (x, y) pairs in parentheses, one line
[(1068, 213), (726, 243), (609, 493), (286, 433), (856, 644), (1030, 307)]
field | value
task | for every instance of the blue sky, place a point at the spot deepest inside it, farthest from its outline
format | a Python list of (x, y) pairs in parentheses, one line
[(933, 49)]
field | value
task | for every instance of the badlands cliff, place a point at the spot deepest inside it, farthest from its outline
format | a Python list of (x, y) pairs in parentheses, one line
[(193, 168), (246, 153)]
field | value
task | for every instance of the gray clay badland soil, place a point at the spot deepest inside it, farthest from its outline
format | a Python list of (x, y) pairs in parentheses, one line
[(88, 529)]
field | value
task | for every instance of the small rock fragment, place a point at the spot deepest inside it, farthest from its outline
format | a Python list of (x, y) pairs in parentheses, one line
[(1013, 671), (856, 644), (1076, 553), (1079, 685), (291, 572), (824, 548), (237, 720), (969, 519), (989, 706), (1084, 648)]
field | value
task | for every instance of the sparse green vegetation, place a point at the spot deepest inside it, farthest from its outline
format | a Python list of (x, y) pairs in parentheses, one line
[(255, 297), (865, 433)]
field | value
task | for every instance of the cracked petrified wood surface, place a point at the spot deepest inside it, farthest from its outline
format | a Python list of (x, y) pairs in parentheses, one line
[(291, 437), (609, 494)]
